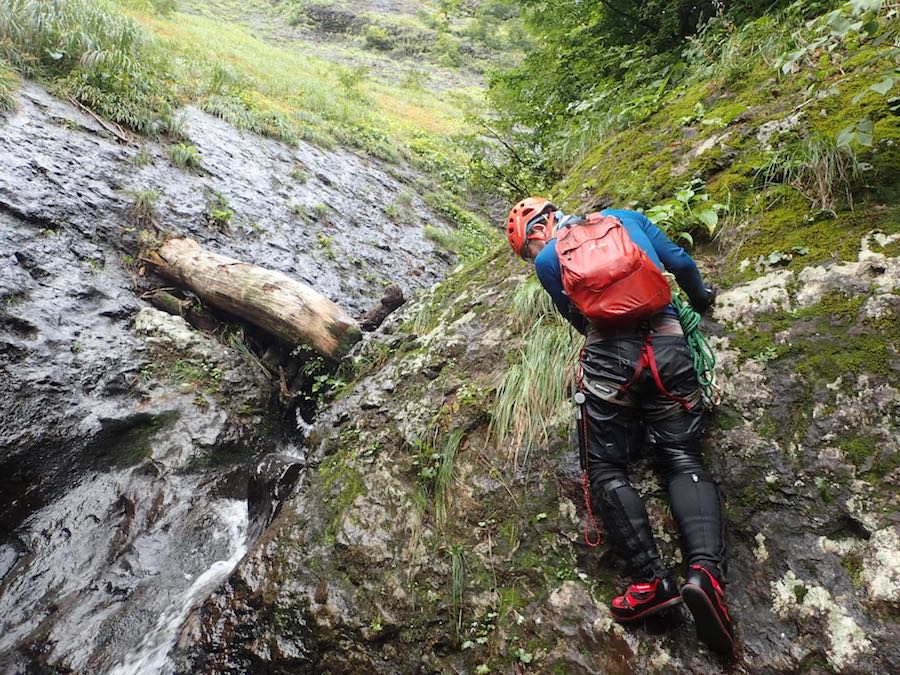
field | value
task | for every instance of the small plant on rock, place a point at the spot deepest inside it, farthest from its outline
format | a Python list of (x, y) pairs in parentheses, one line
[(689, 212), (143, 208), (218, 212), (8, 84), (185, 156)]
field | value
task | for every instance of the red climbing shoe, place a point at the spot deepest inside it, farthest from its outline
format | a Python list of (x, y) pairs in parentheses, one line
[(645, 598), (705, 597)]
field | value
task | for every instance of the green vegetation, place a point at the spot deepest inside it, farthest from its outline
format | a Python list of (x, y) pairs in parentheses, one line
[(218, 212), (822, 169), (457, 575), (185, 156), (87, 50), (533, 398), (8, 84), (143, 208), (686, 213)]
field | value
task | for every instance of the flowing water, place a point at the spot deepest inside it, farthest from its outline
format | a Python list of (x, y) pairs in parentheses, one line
[(150, 657)]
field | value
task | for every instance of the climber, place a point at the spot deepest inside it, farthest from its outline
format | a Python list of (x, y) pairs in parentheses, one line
[(636, 378)]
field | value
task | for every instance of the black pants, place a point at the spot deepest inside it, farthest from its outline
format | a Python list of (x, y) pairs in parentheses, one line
[(617, 427)]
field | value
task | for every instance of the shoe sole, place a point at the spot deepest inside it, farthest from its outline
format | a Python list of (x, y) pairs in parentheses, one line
[(710, 628), (649, 612)]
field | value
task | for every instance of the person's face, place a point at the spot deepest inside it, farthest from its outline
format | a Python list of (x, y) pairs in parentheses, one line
[(535, 246)]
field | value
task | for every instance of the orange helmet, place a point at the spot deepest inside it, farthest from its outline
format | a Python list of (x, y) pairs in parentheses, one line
[(524, 216)]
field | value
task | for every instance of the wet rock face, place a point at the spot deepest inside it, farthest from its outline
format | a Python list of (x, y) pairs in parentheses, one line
[(357, 573), (123, 431)]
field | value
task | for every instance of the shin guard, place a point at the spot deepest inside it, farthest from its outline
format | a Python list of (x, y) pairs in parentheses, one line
[(625, 518), (697, 508)]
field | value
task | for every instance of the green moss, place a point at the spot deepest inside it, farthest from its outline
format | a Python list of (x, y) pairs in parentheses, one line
[(853, 563), (873, 458), (193, 372), (727, 112), (342, 484), (785, 221)]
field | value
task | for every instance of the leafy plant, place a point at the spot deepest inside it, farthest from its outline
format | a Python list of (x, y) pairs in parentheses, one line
[(218, 212), (351, 79), (851, 18), (185, 156), (688, 212)]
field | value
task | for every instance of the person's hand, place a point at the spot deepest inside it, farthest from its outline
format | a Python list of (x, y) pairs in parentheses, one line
[(710, 300)]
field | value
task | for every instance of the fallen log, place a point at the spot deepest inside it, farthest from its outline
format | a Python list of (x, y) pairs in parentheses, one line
[(282, 306)]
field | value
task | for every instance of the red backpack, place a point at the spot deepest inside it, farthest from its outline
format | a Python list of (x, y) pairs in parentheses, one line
[(609, 277)]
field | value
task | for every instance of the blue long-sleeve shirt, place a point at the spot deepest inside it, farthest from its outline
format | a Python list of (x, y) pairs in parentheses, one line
[(665, 254)]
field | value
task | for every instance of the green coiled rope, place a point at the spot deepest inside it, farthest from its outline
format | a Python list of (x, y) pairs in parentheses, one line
[(702, 354)]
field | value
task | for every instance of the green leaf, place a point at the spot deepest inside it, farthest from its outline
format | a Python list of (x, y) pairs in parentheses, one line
[(800, 250), (708, 217), (468, 644), (864, 129), (687, 237), (684, 196), (845, 137), (838, 23), (871, 26), (884, 86)]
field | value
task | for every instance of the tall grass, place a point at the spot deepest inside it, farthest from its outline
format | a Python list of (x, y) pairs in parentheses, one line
[(8, 84), (445, 475), (85, 49), (819, 168), (533, 397), (531, 304), (457, 584)]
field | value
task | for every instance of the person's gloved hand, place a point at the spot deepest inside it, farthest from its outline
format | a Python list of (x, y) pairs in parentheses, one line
[(710, 300)]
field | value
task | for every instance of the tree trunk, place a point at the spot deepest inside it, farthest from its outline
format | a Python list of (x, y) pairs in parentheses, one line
[(271, 300)]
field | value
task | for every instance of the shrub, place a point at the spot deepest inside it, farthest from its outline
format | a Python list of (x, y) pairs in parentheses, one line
[(85, 49), (377, 37)]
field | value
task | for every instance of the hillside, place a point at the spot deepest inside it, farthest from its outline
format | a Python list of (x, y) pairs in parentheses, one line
[(427, 515)]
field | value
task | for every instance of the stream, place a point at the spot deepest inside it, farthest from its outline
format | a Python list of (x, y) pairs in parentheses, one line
[(150, 656), (139, 458)]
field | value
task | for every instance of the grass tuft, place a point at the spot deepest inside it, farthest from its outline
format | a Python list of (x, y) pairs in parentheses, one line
[(819, 168), (185, 156), (533, 397), (445, 475), (457, 573), (143, 208), (8, 84)]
